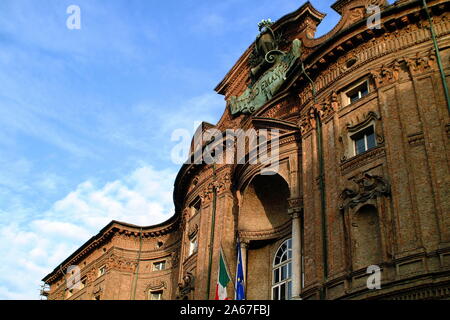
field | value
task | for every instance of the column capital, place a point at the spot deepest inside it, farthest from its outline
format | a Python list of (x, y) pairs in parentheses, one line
[(295, 207), (244, 244)]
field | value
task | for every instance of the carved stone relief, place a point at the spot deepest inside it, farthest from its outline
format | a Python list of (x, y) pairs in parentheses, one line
[(369, 187)]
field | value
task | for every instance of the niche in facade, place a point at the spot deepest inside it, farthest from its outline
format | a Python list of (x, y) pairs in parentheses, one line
[(366, 237), (264, 205)]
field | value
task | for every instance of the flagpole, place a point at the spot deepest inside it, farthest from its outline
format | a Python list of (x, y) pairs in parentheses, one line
[(240, 279), (226, 265)]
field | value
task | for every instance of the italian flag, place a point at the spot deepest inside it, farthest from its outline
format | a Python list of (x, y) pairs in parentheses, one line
[(222, 279)]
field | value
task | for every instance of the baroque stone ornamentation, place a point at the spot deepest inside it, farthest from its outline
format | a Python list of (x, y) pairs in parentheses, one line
[(387, 74), (120, 263), (186, 286), (222, 184), (421, 63), (324, 110), (156, 285), (369, 187)]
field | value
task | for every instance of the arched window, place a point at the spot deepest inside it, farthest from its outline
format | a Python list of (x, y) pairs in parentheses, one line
[(282, 272)]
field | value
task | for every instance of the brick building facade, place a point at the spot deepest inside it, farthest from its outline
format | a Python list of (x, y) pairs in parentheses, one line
[(362, 121)]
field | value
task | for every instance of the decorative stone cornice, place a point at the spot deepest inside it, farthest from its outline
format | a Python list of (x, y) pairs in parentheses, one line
[(358, 124), (368, 46), (266, 234), (362, 159)]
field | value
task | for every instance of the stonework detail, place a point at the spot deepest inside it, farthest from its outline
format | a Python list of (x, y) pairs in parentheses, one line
[(121, 264), (421, 63), (155, 285), (369, 187), (186, 286), (387, 74)]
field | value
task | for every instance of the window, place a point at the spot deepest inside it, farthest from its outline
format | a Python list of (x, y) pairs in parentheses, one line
[(195, 207), (364, 140), (158, 266), (101, 271), (193, 246), (358, 92), (156, 295), (282, 272)]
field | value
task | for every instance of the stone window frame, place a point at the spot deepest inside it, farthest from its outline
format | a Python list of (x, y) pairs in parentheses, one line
[(278, 266), (345, 99), (373, 119), (362, 131)]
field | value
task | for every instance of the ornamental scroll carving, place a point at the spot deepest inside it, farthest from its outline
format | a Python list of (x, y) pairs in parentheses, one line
[(220, 185), (421, 63), (324, 110), (387, 74), (119, 263), (369, 187), (156, 285), (415, 65)]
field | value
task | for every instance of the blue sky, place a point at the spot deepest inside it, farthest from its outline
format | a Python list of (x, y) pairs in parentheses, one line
[(86, 115)]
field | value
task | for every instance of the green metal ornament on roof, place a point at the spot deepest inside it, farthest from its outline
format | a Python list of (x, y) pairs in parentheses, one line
[(269, 72)]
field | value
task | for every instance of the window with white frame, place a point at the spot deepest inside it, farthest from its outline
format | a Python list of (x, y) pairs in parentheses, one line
[(357, 92), (158, 266), (364, 140), (282, 272)]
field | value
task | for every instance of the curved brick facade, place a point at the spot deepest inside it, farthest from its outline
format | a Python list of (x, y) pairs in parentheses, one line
[(345, 209)]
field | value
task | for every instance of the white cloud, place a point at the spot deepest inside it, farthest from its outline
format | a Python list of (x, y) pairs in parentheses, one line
[(33, 249)]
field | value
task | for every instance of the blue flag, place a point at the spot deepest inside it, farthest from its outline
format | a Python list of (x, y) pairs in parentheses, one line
[(240, 292)]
